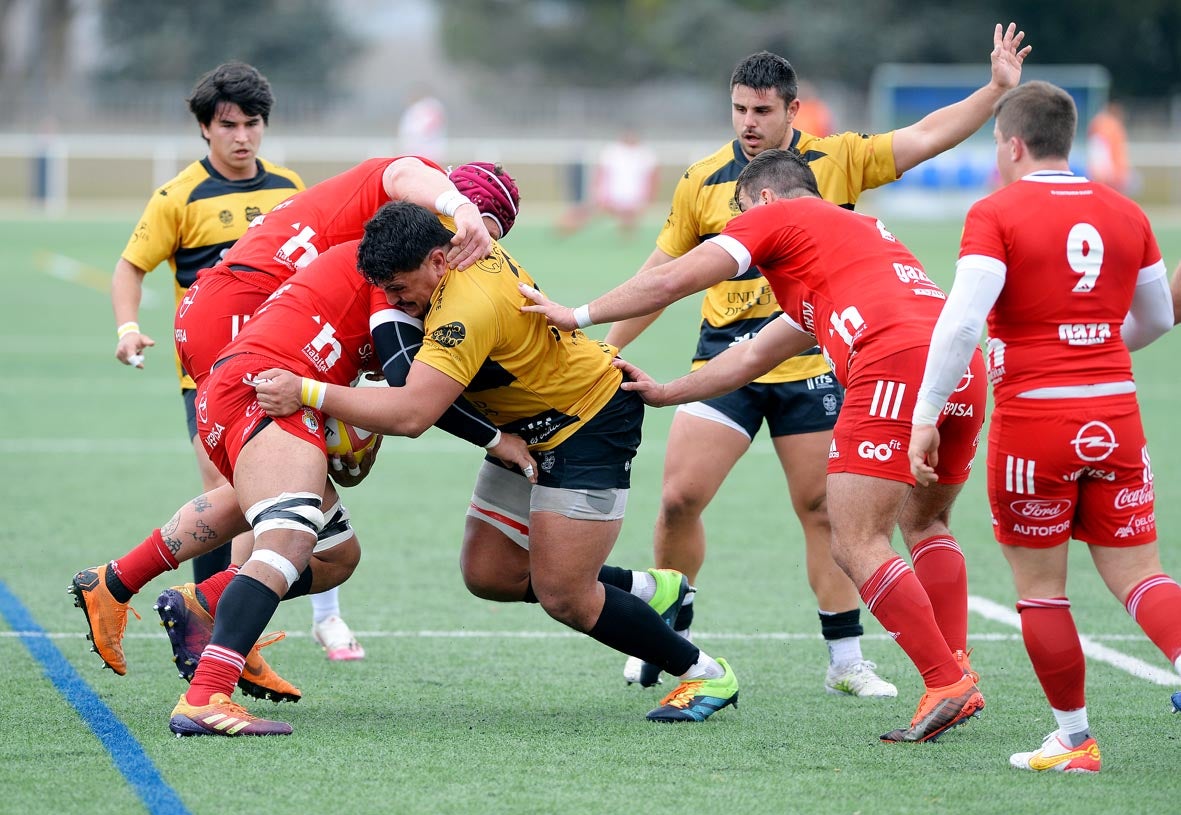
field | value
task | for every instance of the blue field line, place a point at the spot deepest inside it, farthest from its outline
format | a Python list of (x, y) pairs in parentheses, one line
[(126, 752)]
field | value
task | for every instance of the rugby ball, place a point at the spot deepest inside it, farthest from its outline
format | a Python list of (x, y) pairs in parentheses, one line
[(341, 439)]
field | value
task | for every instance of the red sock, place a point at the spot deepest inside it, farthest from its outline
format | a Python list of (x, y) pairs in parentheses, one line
[(143, 563), (939, 566), (1055, 651), (212, 587), (217, 672), (894, 595), (1155, 605)]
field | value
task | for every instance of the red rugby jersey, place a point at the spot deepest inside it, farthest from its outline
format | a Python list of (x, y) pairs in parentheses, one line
[(1072, 251), (842, 277)]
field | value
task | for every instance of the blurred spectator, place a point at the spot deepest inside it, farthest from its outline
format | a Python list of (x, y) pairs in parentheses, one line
[(1107, 149), (623, 185), (422, 130), (813, 117)]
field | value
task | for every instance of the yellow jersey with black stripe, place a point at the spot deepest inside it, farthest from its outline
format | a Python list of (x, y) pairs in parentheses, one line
[(193, 219), (845, 164), (527, 377)]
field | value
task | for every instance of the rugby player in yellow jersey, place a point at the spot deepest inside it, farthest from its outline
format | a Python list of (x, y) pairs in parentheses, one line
[(800, 399), (543, 542), (190, 222)]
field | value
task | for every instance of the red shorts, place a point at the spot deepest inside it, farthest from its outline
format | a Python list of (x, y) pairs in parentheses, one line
[(873, 430), (228, 414), (212, 312), (1070, 468)]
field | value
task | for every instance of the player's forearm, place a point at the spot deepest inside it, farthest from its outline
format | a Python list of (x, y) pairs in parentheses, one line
[(736, 366), (378, 410), (126, 291), (1152, 314)]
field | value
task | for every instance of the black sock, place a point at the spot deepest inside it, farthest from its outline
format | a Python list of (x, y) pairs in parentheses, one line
[(630, 625), (617, 577), (245, 608), (840, 625), (207, 565), (116, 588), (685, 617)]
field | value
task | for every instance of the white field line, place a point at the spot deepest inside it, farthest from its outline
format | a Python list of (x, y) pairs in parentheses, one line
[(83, 274), (1091, 647)]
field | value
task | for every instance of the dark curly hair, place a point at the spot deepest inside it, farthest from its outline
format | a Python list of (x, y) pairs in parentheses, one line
[(398, 239), (234, 83), (766, 70)]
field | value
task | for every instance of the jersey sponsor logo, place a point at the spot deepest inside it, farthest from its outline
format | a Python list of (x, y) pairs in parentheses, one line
[(880, 452), (213, 437), (965, 381), (203, 408), (1094, 441), (1090, 472), (1131, 498), (1035, 531), (808, 317), (1084, 333), (994, 360), (226, 217), (449, 335), (911, 274), (885, 233), (830, 404), (181, 337), (187, 300), (821, 382), (252, 409), (1138, 525), (936, 293), (298, 251), (1041, 509), (743, 301), (887, 399), (958, 409), (1019, 475), (832, 450)]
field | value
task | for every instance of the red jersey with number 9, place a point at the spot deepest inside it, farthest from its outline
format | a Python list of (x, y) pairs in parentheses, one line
[(841, 277), (294, 233), (1069, 280)]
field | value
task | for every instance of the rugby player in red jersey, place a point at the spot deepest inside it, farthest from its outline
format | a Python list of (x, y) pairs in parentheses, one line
[(1070, 278), (847, 283)]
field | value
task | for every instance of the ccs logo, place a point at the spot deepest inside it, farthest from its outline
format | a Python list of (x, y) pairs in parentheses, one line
[(881, 452)]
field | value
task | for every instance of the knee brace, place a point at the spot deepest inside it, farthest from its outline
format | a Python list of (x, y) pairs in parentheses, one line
[(299, 511), (337, 528)]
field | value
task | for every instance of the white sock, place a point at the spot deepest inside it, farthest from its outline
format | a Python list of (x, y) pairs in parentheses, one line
[(1072, 723), (1177, 664), (643, 586), (325, 604), (706, 667), (844, 651)]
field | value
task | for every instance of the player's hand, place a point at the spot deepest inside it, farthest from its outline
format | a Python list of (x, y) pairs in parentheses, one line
[(130, 349), (634, 379), (1008, 56), (277, 391), (924, 453), (555, 314), (346, 471), (513, 451), (471, 242)]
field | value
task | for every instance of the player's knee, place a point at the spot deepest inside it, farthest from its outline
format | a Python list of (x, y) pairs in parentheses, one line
[(679, 503)]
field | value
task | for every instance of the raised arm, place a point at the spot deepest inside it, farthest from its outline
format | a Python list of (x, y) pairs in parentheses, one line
[(943, 129), (643, 294)]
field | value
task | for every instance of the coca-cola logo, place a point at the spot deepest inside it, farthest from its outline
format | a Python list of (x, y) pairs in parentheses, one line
[(1041, 509), (1128, 498)]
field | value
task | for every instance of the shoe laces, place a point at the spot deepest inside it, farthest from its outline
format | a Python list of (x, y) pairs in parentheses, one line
[(682, 695), (269, 639)]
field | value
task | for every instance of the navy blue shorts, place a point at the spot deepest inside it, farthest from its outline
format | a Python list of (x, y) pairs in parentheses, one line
[(789, 408)]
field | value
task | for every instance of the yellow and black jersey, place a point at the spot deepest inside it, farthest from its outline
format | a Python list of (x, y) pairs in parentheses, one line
[(845, 164), (193, 219), (527, 377)]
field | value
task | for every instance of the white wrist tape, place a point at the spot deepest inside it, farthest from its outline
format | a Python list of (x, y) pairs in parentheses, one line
[(311, 392), (128, 327), (495, 440), (449, 201), (582, 316)]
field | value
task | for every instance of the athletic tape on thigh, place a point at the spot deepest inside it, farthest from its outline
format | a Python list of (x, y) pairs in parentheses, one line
[(336, 530), (501, 500), (580, 505), (277, 562), (299, 511)]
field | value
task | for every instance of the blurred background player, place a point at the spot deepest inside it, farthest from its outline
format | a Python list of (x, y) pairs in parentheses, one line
[(800, 399), (1070, 278), (1107, 148), (422, 127), (622, 187)]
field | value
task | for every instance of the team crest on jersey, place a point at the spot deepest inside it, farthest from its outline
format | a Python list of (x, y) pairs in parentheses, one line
[(310, 421), (449, 335), (252, 213), (830, 404), (226, 217)]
